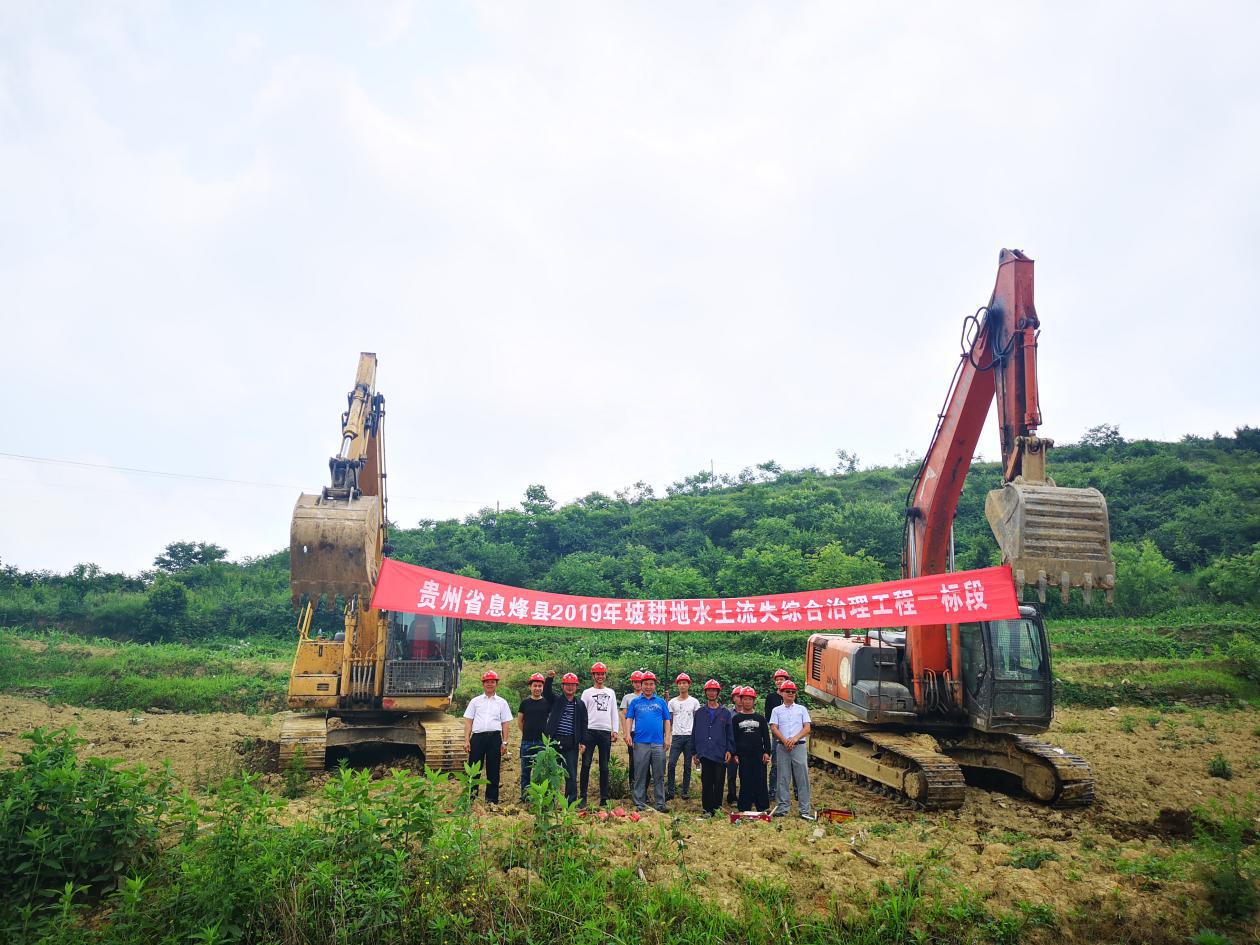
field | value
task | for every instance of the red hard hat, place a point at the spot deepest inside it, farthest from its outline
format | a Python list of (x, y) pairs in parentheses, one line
[(648, 675), (750, 691), (682, 677), (788, 686), (599, 668), (737, 690), (713, 684), (488, 675), (569, 677), (781, 674), (636, 676), (537, 677)]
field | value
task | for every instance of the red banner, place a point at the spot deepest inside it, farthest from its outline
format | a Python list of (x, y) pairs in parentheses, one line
[(960, 597)]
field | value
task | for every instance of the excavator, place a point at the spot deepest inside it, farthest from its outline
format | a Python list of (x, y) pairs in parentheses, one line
[(977, 691), (384, 677)]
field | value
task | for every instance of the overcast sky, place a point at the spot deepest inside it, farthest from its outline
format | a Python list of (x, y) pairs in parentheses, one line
[(591, 243)]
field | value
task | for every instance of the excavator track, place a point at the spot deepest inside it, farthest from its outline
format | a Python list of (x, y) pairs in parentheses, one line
[(439, 737), (304, 735), (443, 742), (1051, 775), (892, 762)]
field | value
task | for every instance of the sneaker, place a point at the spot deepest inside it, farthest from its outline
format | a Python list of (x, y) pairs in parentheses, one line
[(809, 815), (686, 797), (582, 804), (778, 813), (662, 810)]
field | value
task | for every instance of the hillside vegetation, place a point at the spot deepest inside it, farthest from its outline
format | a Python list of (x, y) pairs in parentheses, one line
[(1185, 521)]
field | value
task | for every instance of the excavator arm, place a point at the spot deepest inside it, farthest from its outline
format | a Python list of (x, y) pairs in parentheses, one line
[(337, 537), (1048, 534)]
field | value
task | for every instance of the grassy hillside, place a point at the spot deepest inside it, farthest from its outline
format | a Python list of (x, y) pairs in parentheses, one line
[(1185, 520)]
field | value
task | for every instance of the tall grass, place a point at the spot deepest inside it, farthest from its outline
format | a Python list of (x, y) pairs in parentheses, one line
[(395, 862), (127, 676)]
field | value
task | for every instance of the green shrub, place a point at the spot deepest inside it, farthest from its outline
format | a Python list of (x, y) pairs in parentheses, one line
[(1221, 834), (63, 821), (1219, 767), (1243, 656)]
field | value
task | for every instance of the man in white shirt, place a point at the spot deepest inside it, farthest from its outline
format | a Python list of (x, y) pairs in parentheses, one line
[(682, 710), (602, 723), (789, 727), (486, 722)]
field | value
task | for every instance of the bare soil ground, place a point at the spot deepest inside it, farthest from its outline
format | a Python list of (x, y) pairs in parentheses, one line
[(1096, 876), (200, 748)]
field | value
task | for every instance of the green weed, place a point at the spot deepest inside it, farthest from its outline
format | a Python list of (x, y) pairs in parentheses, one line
[(1031, 859), (1220, 833), (1219, 767)]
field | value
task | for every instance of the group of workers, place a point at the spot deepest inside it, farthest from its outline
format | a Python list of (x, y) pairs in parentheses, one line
[(735, 747)]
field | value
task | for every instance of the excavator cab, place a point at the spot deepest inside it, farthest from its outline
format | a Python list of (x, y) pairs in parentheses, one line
[(1006, 674), (422, 655)]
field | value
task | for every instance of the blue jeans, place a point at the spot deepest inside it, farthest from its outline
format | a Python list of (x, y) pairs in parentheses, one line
[(684, 745), (528, 750)]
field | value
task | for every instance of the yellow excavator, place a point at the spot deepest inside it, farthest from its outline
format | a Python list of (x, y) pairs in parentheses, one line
[(384, 677)]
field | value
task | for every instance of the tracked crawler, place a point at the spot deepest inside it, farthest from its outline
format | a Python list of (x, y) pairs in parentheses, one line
[(978, 689)]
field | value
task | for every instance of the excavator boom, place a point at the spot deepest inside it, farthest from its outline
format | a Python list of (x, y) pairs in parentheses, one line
[(1049, 534), (336, 537)]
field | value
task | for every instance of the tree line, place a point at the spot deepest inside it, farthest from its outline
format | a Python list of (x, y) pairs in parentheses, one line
[(1185, 524)]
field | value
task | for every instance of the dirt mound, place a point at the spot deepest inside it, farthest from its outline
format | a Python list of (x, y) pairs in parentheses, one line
[(200, 748)]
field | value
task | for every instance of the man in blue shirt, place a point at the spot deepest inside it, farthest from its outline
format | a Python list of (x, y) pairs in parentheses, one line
[(647, 732)]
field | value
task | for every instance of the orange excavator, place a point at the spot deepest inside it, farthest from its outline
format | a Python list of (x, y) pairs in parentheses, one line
[(977, 690)]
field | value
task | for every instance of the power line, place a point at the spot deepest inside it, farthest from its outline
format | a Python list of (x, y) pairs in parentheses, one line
[(48, 460), (146, 472)]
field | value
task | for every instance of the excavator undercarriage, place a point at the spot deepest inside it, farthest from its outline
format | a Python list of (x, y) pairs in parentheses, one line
[(927, 771), (310, 735)]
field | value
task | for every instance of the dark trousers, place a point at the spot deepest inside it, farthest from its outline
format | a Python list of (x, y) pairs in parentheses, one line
[(684, 745), (753, 794), (712, 777), (630, 767), (486, 747), (528, 750), (570, 756), (601, 742), (732, 779)]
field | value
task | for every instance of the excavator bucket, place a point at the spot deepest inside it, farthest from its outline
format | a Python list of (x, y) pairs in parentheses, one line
[(333, 548), (1053, 536)]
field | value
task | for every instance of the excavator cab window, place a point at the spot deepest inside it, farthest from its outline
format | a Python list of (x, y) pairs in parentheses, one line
[(974, 664), (417, 637), (1017, 650)]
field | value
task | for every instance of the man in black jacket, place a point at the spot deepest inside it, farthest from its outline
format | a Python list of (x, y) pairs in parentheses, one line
[(751, 735), (566, 727)]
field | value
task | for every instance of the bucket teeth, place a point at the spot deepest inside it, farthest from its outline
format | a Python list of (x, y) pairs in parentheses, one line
[(334, 548), (1059, 535)]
